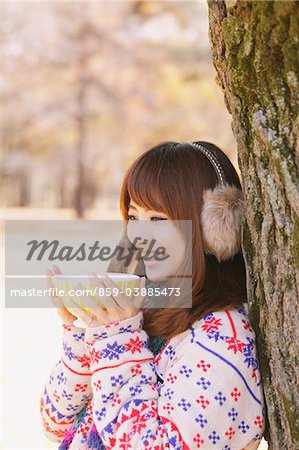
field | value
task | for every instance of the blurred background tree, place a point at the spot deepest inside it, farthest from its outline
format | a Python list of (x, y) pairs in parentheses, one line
[(88, 86)]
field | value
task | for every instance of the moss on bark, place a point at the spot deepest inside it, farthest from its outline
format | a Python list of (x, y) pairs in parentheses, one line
[(255, 47)]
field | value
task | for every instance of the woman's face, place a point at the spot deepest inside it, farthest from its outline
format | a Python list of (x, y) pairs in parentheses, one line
[(155, 229)]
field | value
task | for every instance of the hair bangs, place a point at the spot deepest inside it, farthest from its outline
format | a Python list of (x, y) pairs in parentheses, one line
[(144, 185)]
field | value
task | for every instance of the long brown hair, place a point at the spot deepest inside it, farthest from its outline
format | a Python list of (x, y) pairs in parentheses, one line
[(171, 178)]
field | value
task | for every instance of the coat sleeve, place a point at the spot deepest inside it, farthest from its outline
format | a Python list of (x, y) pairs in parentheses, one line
[(191, 410), (68, 388)]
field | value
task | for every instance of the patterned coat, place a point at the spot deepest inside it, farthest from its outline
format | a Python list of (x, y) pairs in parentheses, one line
[(201, 391)]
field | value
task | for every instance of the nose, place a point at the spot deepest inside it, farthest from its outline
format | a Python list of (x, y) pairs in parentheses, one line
[(143, 230)]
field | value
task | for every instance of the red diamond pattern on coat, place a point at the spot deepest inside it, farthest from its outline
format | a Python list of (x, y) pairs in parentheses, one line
[(136, 370), (168, 408), (81, 387), (229, 433), (259, 422), (171, 378), (198, 440), (202, 401), (235, 394), (98, 385), (116, 400), (203, 365)]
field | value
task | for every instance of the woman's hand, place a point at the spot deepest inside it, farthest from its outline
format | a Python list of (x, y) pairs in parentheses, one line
[(66, 316), (109, 308)]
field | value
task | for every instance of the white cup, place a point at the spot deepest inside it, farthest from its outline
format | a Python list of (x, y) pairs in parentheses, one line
[(69, 284)]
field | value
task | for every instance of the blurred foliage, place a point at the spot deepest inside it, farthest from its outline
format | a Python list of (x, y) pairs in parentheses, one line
[(88, 86)]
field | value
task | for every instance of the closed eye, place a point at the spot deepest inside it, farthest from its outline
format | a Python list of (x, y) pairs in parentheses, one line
[(154, 218), (159, 218)]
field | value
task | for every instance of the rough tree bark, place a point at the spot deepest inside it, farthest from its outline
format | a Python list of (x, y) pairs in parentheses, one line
[(254, 47)]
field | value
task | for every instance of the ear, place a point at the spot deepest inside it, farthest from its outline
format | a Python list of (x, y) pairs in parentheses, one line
[(221, 218)]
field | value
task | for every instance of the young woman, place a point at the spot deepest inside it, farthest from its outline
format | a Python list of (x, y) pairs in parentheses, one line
[(157, 378)]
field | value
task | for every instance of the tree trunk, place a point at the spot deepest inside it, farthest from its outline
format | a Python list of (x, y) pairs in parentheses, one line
[(254, 46), (81, 119)]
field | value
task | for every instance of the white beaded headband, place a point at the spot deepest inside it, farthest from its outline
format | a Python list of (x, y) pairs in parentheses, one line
[(214, 161)]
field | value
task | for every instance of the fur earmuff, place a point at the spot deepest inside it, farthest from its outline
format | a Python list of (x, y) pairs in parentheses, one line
[(221, 219)]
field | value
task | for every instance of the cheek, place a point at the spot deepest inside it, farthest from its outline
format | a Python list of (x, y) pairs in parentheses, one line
[(129, 233), (132, 231), (180, 247), (174, 243)]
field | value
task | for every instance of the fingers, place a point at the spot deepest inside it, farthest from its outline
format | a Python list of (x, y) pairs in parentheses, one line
[(106, 301), (49, 277), (57, 302), (90, 305), (66, 316), (94, 309), (56, 270), (123, 301), (78, 312)]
